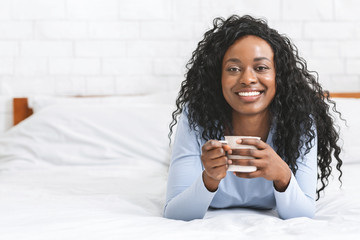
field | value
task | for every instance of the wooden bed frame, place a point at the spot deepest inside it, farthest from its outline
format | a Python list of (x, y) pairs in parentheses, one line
[(21, 108)]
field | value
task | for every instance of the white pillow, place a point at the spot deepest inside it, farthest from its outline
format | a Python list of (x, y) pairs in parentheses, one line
[(83, 134), (39, 102), (349, 131)]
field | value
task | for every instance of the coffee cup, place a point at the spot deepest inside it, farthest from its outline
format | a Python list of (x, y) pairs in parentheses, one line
[(231, 141)]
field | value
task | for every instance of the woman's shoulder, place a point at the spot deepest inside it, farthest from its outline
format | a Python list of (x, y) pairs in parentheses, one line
[(191, 125)]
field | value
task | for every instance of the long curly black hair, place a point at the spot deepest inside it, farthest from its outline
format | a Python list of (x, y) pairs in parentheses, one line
[(299, 104)]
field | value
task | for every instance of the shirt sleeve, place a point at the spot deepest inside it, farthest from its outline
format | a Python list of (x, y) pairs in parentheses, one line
[(298, 200), (187, 197)]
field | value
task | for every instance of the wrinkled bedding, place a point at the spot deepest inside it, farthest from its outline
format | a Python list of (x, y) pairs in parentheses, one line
[(111, 202)]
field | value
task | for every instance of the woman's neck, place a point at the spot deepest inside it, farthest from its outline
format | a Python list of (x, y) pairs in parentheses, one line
[(251, 125)]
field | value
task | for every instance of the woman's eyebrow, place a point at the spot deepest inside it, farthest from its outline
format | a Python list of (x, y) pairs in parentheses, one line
[(233, 60), (261, 58), (236, 60)]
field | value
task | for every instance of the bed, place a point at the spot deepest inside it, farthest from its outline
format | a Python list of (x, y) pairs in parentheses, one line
[(96, 168)]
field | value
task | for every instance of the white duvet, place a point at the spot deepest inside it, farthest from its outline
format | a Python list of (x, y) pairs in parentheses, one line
[(126, 203), (71, 173)]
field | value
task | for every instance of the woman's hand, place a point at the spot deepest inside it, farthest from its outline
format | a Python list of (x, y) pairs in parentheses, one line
[(215, 162), (268, 163)]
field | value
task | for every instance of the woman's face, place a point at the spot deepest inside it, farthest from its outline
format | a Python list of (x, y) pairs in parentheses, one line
[(248, 75)]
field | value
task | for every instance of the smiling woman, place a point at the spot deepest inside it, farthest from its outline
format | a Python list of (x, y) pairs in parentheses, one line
[(245, 79)]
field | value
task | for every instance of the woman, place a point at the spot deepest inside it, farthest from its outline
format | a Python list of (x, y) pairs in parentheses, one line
[(245, 79)]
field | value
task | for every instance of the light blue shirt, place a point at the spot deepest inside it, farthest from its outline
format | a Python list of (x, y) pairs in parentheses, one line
[(187, 197)]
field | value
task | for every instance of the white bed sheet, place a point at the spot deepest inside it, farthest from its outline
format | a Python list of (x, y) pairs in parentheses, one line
[(126, 202)]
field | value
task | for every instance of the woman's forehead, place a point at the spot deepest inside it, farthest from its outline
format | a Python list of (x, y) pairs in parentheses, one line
[(252, 47)]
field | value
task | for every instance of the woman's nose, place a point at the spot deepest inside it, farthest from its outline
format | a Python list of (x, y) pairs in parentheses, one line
[(248, 77)]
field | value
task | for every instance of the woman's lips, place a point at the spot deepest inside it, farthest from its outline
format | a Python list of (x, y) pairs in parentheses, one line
[(249, 94)]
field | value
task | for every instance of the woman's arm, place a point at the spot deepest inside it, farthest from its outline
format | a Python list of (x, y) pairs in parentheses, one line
[(187, 197), (298, 200)]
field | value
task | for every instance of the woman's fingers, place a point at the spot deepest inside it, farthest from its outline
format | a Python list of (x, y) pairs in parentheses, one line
[(227, 148), (211, 144), (213, 149), (218, 162), (248, 152), (214, 159), (251, 141), (214, 153)]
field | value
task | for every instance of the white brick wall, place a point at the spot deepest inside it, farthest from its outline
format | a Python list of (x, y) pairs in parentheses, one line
[(74, 66), (37, 9), (91, 9), (308, 10), (68, 47), (145, 10)]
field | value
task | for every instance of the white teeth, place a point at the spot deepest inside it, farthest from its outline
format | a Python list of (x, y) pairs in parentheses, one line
[(247, 94)]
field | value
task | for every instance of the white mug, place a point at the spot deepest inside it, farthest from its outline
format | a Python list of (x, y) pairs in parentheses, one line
[(231, 141)]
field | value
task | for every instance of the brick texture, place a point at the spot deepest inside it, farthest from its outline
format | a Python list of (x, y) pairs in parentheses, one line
[(71, 47)]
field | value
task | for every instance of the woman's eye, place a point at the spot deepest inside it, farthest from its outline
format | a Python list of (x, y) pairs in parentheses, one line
[(233, 69), (261, 68)]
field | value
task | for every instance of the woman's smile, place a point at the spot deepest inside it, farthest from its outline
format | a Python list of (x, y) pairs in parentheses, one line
[(249, 95)]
